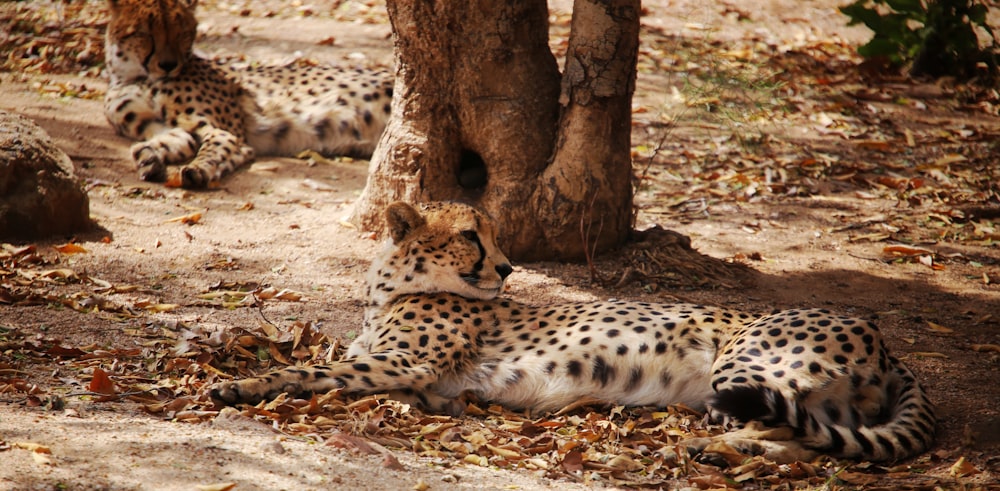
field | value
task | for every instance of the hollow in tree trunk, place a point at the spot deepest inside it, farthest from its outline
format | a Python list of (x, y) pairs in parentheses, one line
[(482, 115)]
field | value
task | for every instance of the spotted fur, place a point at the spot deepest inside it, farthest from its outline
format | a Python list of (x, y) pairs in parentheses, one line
[(208, 117), (804, 381)]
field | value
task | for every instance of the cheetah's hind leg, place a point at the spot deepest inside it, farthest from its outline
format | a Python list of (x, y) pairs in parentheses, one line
[(430, 401), (777, 444)]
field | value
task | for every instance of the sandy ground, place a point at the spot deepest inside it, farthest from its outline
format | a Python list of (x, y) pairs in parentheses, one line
[(280, 223)]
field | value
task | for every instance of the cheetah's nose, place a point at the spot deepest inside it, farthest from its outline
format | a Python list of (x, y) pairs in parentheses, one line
[(167, 65), (504, 270)]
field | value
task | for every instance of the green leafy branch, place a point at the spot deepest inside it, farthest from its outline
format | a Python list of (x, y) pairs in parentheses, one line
[(935, 37)]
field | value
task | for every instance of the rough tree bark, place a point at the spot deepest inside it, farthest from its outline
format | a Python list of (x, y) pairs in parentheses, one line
[(482, 115)]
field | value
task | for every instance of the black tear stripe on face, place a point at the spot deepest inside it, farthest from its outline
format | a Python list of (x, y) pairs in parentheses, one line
[(152, 49), (145, 61), (474, 237)]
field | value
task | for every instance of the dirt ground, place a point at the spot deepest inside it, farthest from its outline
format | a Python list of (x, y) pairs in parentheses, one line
[(755, 136)]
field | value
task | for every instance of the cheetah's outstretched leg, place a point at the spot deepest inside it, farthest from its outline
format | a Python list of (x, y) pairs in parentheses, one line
[(369, 373)]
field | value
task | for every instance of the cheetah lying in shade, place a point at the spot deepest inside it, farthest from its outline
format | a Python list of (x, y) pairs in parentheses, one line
[(211, 117), (806, 382)]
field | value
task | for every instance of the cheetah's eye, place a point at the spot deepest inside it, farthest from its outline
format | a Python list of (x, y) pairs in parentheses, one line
[(470, 235)]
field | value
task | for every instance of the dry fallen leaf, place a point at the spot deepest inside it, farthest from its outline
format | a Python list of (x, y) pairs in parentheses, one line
[(58, 274), (41, 458), (156, 307), (101, 383), (288, 295), (751, 470), (262, 167), (313, 156), (857, 478), (948, 159), (189, 219), (33, 447), (283, 294), (963, 468), (41, 454), (901, 250), (929, 262), (476, 460), (573, 461), (711, 480), (222, 486), (986, 348), (174, 179), (504, 452), (939, 328), (929, 354), (389, 461), (627, 464), (70, 248)]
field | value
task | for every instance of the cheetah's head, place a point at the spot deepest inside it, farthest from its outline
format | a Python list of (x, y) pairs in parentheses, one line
[(442, 247), (149, 40)]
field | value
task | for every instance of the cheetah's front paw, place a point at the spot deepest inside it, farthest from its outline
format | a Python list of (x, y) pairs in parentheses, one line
[(151, 167), (172, 147)]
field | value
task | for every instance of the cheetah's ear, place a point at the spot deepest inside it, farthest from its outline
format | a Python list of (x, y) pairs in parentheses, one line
[(402, 220)]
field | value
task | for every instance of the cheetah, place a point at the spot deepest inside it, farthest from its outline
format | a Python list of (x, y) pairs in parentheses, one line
[(801, 382), (196, 120)]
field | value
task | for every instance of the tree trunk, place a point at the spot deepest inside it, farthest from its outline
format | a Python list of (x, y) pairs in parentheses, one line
[(585, 194), (479, 116)]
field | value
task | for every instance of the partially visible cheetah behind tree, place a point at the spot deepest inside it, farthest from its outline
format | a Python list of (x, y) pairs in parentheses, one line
[(805, 382), (211, 117)]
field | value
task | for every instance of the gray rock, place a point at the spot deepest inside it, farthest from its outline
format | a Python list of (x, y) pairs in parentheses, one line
[(40, 195)]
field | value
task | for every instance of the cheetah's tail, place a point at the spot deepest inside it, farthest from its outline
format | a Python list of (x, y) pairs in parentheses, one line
[(907, 429)]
